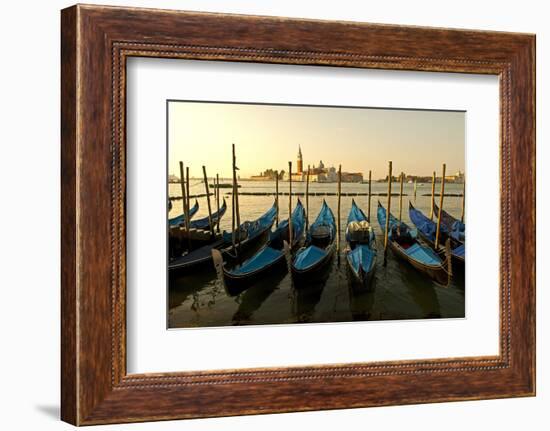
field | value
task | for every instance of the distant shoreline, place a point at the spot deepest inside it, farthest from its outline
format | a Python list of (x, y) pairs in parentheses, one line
[(316, 194), (228, 184)]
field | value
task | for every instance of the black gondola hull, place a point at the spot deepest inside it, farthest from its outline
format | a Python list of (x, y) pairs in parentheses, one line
[(314, 273), (361, 279), (457, 261), (436, 273), (236, 284), (187, 264)]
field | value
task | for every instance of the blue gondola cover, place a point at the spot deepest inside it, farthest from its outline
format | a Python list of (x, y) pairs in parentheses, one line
[(176, 221), (311, 255), (361, 256), (428, 229), (417, 252), (272, 252)]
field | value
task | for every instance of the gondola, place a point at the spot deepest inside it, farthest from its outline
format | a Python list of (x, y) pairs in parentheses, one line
[(269, 258), (250, 233), (361, 248), (404, 243), (427, 231), (204, 223), (179, 240), (176, 221), (453, 225), (313, 258)]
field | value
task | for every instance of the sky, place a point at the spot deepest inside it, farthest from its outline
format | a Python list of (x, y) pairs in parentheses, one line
[(268, 136)]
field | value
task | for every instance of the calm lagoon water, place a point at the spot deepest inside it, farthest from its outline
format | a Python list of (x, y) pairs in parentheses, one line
[(399, 291)]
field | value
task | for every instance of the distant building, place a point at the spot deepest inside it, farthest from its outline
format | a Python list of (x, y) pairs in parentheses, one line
[(456, 178), (331, 176), (352, 177), (321, 174), (173, 179), (299, 164)]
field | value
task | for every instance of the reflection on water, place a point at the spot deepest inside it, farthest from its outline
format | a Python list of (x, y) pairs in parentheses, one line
[(398, 291), (253, 298), (305, 297), (361, 301)]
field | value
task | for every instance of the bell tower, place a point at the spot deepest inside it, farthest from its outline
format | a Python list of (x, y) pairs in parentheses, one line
[(299, 165)]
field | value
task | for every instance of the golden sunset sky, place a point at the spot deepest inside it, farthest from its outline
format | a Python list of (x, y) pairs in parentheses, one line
[(268, 136)]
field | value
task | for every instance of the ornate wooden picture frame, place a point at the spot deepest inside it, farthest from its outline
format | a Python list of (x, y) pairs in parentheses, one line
[(96, 42)]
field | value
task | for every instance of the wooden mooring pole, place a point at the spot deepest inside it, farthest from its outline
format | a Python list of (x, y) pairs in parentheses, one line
[(401, 198), (218, 202), (290, 204), (187, 180), (438, 229), (339, 207), (463, 200), (370, 180), (307, 198), (210, 221), (233, 232), (388, 209), (277, 198), (185, 202), (433, 197), (185, 210), (236, 200)]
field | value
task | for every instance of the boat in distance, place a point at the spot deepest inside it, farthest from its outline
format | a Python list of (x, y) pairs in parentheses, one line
[(404, 243), (249, 234), (268, 259), (361, 247), (176, 221), (318, 250), (224, 186), (427, 230)]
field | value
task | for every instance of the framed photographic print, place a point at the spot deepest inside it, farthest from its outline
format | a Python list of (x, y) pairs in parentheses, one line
[(280, 207), (333, 258)]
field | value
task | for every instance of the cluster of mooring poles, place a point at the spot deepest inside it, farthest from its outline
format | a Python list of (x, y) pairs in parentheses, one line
[(236, 219), (184, 183), (440, 209)]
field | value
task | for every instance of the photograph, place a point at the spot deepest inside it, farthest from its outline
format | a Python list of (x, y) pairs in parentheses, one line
[(286, 214)]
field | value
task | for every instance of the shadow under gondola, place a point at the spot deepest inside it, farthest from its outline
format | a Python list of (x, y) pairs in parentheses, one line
[(252, 299), (306, 296)]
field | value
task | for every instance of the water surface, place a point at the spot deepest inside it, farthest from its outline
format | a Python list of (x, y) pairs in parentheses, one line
[(399, 291)]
